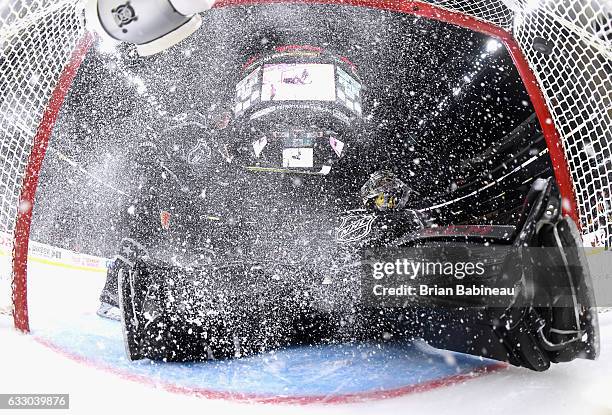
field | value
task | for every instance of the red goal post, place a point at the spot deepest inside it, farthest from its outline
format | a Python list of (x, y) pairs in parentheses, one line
[(561, 48)]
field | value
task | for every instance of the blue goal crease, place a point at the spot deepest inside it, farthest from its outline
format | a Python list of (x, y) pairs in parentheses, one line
[(328, 370)]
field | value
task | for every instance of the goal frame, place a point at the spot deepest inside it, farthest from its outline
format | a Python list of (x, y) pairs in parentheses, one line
[(417, 8)]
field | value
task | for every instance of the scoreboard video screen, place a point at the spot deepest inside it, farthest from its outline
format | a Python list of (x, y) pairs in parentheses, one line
[(304, 82), (298, 82)]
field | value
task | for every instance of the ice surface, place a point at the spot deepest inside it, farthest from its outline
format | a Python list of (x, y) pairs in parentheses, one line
[(90, 366)]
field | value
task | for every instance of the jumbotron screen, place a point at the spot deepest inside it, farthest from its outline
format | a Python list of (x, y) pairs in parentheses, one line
[(298, 82), (284, 82)]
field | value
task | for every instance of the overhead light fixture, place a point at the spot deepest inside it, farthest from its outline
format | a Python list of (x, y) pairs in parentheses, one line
[(532, 5), (152, 25), (513, 5)]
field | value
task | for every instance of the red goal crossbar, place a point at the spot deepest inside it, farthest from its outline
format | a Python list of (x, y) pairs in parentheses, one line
[(417, 8)]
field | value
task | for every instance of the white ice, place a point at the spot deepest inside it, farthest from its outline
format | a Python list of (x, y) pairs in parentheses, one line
[(26, 366)]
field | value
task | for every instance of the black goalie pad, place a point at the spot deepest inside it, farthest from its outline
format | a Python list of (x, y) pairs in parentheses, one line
[(177, 314), (553, 316), (188, 314)]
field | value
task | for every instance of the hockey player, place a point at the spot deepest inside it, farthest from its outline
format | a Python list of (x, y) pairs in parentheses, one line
[(383, 194)]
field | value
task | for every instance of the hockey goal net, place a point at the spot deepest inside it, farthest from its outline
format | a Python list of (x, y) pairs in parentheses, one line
[(565, 46)]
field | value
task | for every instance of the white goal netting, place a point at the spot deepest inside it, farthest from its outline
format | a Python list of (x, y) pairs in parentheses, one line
[(576, 78), (37, 38), (568, 44)]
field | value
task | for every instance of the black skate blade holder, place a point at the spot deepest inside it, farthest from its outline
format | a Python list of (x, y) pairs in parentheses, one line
[(574, 302), (577, 334)]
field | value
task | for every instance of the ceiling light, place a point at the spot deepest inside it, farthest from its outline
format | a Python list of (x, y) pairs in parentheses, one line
[(493, 45)]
